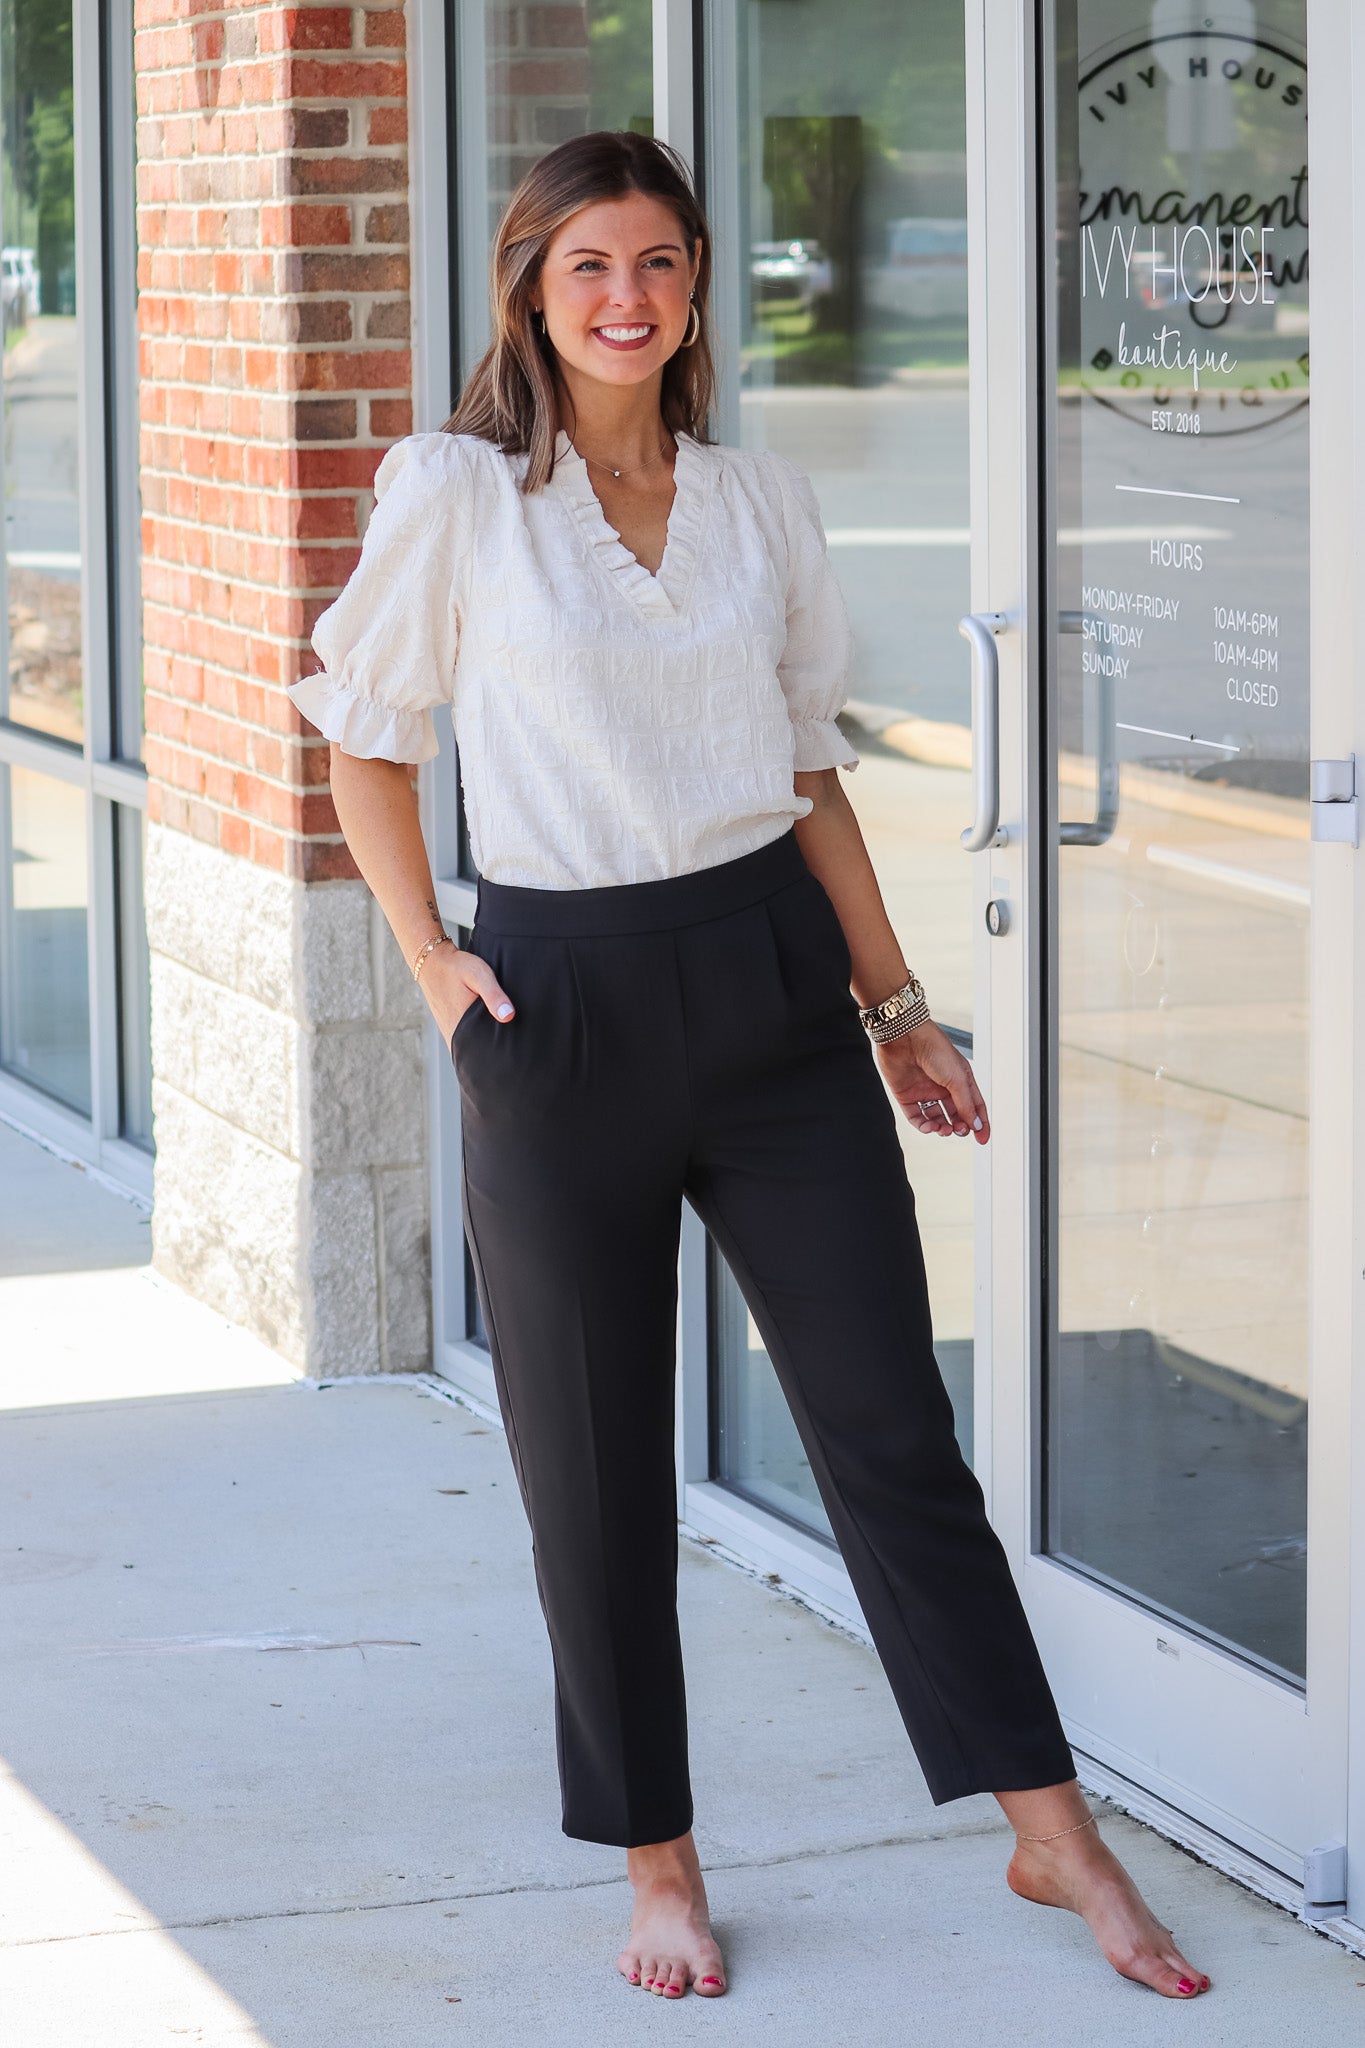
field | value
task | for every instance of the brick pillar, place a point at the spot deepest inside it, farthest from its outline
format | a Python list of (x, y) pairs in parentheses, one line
[(273, 313)]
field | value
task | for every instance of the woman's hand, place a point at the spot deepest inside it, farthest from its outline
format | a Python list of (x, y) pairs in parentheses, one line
[(452, 980), (924, 1070), (934, 1084), (376, 805)]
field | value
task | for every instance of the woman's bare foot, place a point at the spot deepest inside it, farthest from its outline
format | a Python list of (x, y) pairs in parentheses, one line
[(1080, 1872), (670, 1945)]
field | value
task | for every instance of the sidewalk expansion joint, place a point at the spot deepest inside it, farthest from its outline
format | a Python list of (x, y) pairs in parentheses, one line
[(504, 1891)]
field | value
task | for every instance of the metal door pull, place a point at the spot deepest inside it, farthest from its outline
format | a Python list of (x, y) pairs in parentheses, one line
[(980, 629)]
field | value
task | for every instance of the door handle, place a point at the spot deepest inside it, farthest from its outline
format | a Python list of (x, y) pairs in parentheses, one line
[(1095, 831), (980, 629)]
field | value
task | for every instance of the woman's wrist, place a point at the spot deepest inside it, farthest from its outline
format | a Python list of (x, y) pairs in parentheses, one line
[(875, 988), (425, 951), (445, 985), (441, 962), (898, 1014)]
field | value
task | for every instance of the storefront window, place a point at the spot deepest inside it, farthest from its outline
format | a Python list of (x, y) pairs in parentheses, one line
[(44, 974), (43, 682), (70, 681), (836, 173)]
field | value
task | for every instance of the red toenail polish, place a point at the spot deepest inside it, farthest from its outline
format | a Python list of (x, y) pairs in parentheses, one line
[(1186, 1984), (710, 1980)]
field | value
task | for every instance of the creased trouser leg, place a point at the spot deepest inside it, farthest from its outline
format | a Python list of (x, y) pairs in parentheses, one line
[(799, 1174), (572, 1213)]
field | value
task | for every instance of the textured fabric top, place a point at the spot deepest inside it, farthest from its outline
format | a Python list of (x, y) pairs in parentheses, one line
[(612, 725)]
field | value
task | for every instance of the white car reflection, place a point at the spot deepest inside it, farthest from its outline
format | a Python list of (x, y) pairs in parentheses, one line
[(796, 271), (18, 287)]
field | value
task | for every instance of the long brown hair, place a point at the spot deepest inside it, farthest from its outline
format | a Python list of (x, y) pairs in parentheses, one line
[(510, 398)]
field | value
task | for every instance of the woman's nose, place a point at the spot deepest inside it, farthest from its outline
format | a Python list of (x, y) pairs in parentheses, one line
[(627, 289)]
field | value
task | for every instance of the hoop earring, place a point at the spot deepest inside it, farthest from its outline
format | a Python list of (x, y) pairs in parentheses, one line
[(540, 316), (690, 339)]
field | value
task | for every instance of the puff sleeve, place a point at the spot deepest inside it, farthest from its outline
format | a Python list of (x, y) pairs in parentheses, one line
[(388, 643), (817, 662)]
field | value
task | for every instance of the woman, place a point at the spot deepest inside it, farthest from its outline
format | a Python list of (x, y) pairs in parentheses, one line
[(644, 648)]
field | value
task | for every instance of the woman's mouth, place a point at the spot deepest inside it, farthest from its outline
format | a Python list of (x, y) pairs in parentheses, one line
[(637, 335)]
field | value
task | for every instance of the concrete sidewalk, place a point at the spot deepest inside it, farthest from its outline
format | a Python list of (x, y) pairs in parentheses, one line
[(278, 1753)]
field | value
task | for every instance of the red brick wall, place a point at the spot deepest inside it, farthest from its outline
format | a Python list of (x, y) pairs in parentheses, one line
[(274, 319)]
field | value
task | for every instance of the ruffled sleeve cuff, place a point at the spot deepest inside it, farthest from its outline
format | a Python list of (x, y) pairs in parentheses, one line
[(820, 744), (362, 727)]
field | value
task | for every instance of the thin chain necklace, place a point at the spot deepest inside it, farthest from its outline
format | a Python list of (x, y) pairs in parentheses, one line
[(638, 469)]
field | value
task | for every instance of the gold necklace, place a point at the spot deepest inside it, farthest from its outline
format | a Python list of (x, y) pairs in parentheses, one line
[(637, 470)]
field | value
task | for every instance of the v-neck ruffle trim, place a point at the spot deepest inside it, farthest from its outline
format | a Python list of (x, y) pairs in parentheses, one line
[(664, 593)]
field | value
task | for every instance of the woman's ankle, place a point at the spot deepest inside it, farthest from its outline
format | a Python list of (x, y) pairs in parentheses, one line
[(655, 1862)]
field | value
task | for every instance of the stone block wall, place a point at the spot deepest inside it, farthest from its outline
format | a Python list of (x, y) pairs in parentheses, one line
[(291, 1180), (273, 317)]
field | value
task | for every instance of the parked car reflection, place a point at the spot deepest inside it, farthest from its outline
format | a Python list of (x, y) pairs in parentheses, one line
[(793, 273), (18, 287)]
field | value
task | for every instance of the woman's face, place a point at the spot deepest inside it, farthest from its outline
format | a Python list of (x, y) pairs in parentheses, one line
[(614, 289)]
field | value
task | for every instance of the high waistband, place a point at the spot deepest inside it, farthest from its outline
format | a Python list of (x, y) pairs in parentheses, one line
[(513, 912)]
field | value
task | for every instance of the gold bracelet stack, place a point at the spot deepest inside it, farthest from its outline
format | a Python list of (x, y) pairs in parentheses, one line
[(904, 1011), (441, 939)]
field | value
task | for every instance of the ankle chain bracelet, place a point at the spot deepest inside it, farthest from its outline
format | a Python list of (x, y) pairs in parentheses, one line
[(1060, 1832)]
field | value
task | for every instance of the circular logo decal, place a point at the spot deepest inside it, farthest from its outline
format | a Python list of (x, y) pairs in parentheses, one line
[(1192, 256)]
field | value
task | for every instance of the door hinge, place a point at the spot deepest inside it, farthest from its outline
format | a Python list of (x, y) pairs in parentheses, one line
[(1335, 806), (1324, 1882)]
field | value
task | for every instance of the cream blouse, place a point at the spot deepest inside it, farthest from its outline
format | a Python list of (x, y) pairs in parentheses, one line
[(612, 725)]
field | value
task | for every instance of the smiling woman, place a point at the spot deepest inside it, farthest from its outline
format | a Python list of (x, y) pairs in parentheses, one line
[(679, 968)]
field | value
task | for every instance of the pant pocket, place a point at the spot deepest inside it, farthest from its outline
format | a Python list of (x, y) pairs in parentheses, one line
[(530, 1065), (461, 1031), (460, 1035)]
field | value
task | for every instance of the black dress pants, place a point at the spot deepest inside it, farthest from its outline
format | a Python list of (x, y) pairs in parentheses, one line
[(696, 1036)]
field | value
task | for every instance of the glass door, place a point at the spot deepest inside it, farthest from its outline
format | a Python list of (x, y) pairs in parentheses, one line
[(1163, 1002), (1177, 1402)]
